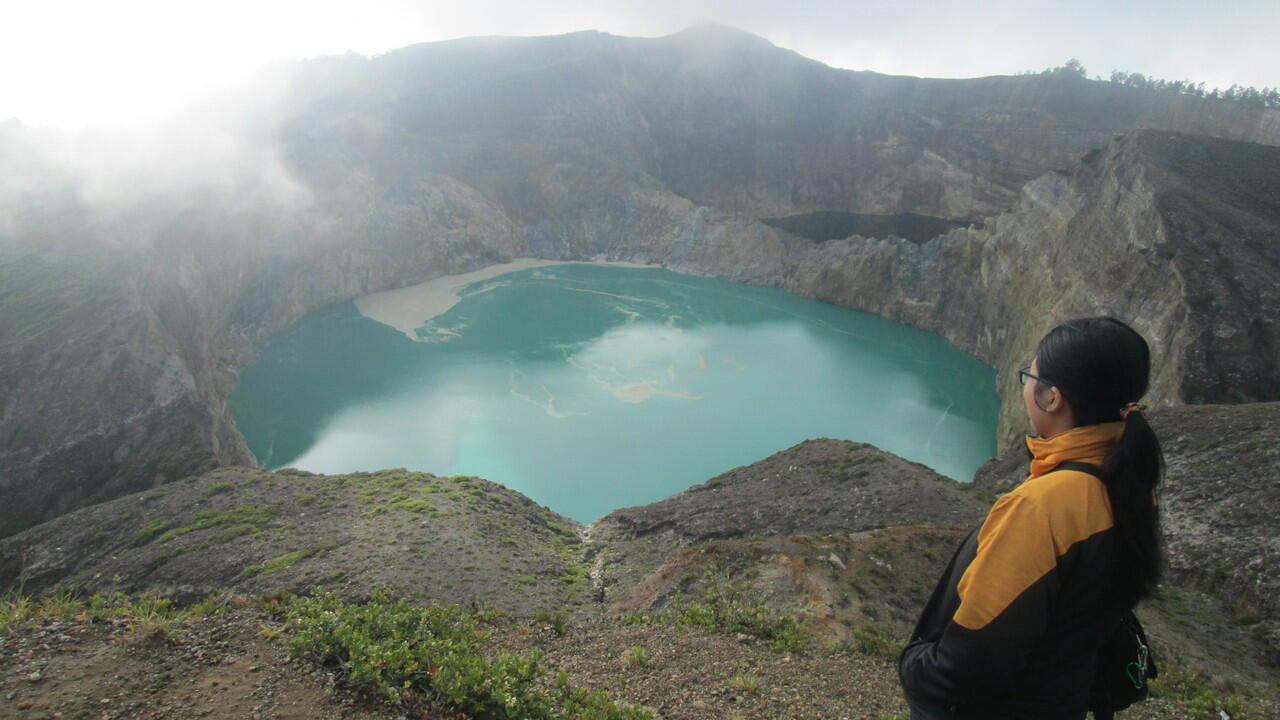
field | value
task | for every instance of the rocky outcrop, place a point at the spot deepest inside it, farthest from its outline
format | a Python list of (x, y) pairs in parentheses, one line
[(243, 530), (817, 487), (447, 157)]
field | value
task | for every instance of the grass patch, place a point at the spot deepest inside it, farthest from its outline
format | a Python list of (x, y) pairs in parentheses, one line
[(746, 682), (281, 562), (149, 533), (1200, 698), (160, 532), (218, 488), (870, 640), (558, 622), (634, 657), (413, 505), (728, 611), (432, 661), (562, 529), (147, 617)]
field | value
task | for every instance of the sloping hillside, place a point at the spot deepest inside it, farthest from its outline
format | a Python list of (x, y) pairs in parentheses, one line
[(241, 530), (447, 157), (788, 545)]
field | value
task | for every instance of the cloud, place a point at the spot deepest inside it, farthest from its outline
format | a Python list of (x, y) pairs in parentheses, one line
[(220, 155), (79, 63)]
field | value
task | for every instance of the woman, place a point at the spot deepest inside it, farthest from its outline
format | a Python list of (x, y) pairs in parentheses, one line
[(1013, 627)]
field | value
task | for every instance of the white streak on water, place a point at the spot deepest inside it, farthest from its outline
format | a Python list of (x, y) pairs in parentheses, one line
[(928, 446), (548, 406)]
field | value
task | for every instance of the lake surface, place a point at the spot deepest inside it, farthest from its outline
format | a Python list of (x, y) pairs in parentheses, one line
[(590, 388)]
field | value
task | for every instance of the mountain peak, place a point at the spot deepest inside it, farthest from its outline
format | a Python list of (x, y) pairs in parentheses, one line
[(710, 31)]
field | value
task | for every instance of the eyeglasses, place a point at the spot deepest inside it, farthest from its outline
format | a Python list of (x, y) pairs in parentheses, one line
[(1025, 374)]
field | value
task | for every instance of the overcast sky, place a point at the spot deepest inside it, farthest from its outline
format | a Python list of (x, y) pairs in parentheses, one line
[(78, 63)]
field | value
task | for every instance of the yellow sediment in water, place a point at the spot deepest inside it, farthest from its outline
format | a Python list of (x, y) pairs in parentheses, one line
[(409, 308)]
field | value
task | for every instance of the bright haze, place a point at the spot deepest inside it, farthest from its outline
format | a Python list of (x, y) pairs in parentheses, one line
[(77, 64)]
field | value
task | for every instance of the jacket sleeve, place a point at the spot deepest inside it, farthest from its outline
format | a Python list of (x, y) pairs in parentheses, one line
[(1005, 596)]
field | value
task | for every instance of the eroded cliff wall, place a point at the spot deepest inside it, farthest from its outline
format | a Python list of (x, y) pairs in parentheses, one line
[(448, 157)]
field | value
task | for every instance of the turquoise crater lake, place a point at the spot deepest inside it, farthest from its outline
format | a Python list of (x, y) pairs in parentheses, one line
[(591, 387)]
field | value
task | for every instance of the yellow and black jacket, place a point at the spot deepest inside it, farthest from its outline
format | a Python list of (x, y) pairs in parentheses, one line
[(1013, 627)]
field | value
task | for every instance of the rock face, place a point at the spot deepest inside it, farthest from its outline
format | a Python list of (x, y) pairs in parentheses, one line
[(447, 157), (817, 487)]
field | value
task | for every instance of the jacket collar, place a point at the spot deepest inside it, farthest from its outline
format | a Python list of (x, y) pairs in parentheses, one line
[(1088, 444)]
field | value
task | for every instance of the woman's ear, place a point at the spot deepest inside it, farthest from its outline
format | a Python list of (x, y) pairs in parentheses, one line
[(1049, 399)]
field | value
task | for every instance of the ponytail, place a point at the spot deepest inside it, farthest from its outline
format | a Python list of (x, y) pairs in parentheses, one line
[(1131, 473), (1102, 367)]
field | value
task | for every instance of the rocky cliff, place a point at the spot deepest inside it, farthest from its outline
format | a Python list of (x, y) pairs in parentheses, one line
[(446, 157), (847, 537)]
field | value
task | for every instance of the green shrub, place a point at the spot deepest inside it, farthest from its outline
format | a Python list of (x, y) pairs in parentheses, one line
[(218, 488), (746, 682), (432, 658), (14, 609), (414, 505), (634, 657), (1197, 694), (596, 705), (557, 621), (729, 611), (870, 640)]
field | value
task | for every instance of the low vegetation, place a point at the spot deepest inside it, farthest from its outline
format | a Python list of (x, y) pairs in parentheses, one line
[(717, 608), (746, 682), (147, 616), (870, 640), (432, 660), (236, 521), (635, 657), (1194, 691)]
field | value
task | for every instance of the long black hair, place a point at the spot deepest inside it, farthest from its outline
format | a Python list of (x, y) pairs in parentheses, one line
[(1101, 365)]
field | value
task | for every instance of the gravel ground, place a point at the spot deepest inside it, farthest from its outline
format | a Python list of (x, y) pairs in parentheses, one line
[(216, 668), (690, 675), (225, 668)]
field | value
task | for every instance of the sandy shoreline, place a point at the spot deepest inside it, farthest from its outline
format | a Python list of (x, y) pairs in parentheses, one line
[(409, 308)]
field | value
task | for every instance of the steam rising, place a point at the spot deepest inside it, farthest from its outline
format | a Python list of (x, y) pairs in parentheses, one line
[(125, 182)]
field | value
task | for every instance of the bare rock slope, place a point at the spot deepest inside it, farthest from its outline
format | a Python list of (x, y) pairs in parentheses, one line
[(121, 329), (242, 530)]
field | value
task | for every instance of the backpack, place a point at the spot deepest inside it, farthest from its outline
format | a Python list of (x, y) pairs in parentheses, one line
[(1125, 663)]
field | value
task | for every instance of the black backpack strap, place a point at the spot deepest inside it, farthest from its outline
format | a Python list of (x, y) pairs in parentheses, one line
[(1089, 468)]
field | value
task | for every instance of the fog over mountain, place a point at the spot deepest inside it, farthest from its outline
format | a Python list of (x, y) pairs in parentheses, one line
[(141, 270)]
